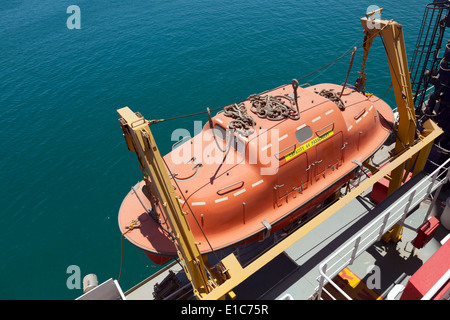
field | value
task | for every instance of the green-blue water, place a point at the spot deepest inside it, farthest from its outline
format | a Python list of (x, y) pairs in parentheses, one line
[(65, 167)]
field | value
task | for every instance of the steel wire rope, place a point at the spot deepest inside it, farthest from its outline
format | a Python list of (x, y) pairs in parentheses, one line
[(129, 228), (343, 56), (243, 100), (187, 115)]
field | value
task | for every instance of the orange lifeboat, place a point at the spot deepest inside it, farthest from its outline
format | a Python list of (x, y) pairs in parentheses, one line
[(244, 184)]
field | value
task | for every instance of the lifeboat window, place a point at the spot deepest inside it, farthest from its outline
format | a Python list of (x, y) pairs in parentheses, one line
[(237, 144), (220, 132), (304, 134)]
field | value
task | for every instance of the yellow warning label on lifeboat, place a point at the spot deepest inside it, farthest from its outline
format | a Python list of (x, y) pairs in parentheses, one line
[(307, 145)]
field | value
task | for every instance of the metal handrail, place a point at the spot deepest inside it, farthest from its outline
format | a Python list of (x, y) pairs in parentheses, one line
[(358, 244), (219, 192), (180, 141), (283, 157)]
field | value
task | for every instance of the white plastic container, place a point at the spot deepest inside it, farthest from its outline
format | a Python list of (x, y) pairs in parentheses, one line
[(89, 282)]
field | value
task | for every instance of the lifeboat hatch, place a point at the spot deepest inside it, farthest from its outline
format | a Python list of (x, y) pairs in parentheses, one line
[(329, 155), (292, 179)]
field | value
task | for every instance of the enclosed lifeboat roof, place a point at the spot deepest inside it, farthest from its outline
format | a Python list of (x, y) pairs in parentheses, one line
[(241, 184)]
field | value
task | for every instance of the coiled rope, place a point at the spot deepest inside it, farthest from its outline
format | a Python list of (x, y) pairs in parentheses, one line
[(269, 107), (243, 122), (332, 96), (273, 108)]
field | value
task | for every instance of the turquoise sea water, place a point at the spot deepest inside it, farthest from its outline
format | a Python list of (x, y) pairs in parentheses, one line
[(64, 166)]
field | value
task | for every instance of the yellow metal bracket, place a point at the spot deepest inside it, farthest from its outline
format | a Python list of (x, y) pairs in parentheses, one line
[(140, 140)]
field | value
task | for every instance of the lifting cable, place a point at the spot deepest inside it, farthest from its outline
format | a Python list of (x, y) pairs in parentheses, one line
[(133, 224), (309, 74)]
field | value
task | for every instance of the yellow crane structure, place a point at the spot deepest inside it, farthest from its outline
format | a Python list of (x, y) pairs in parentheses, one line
[(391, 33), (411, 151), (392, 36), (140, 140)]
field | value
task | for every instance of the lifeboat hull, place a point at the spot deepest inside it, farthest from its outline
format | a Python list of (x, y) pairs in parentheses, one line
[(240, 187)]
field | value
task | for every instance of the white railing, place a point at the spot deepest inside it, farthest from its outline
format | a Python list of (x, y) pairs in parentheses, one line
[(108, 290), (345, 255)]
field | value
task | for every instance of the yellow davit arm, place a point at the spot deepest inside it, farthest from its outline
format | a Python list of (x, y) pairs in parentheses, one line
[(392, 36), (140, 140)]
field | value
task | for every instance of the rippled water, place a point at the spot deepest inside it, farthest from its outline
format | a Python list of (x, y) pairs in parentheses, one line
[(64, 165)]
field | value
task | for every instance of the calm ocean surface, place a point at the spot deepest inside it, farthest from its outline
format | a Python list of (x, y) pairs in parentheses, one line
[(64, 166)]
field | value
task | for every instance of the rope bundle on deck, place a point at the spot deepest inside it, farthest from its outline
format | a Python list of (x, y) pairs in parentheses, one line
[(332, 96), (273, 107), (243, 122)]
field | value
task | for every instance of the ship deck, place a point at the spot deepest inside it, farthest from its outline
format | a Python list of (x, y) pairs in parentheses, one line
[(297, 269)]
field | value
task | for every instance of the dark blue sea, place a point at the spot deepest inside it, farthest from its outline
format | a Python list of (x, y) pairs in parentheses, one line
[(64, 166)]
